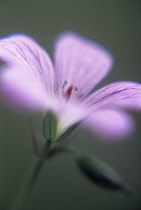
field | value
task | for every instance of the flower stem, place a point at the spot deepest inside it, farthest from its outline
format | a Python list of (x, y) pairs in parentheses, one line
[(24, 194), (27, 187)]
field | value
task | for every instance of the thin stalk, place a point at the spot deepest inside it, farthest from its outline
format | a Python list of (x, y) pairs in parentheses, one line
[(22, 198), (24, 194), (75, 153)]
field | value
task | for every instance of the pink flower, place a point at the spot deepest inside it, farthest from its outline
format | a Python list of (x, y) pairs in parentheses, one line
[(29, 81)]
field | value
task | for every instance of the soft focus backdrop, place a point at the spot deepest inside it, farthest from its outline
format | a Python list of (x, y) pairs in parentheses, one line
[(114, 24)]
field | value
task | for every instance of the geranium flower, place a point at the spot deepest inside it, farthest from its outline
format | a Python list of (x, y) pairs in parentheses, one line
[(29, 81)]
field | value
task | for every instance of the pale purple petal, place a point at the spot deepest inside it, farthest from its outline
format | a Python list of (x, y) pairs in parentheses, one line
[(110, 124), (126, 95), (81, 63), (21, 89), (27, 79), (68, 114)]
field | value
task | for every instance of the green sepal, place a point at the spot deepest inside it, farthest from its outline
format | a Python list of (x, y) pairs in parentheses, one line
[(50, 123), (101, 174), (65, 133)]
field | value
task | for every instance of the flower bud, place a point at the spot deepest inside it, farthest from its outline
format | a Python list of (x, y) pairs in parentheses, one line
[(100, 173)]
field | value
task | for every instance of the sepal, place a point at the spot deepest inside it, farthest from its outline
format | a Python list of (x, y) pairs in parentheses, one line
[(50, 124)]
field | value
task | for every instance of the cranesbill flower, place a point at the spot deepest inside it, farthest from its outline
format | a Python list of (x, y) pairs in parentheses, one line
[(29, 81)]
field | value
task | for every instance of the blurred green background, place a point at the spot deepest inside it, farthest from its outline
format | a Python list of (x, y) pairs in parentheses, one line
[(114, 24)]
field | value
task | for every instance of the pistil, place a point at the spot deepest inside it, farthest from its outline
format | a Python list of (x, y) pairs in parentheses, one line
[(68, 93)]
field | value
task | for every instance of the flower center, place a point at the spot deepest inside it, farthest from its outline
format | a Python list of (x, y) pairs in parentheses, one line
[(69, 90)]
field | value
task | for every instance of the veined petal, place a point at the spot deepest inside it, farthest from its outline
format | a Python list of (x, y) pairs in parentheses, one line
[(27, 78), (80, 63), (120, 94), (110, 124)]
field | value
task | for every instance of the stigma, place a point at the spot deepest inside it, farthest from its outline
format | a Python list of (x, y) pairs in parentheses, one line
[(68, 91)]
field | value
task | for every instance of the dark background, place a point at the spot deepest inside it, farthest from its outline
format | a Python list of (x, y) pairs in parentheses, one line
[(114, 24)]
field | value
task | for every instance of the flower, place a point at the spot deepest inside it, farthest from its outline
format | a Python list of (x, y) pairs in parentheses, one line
[(29, 81)]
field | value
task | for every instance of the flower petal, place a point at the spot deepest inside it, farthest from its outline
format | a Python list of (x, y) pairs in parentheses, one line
[(110, 124), (80, 63), (27, 78), (122, 94), (67, 113)]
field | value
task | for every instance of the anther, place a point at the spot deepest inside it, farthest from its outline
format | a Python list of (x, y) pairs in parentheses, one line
[(81, 96), (76, 89), (64, 84)]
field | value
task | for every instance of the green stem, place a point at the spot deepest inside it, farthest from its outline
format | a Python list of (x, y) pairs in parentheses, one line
[(22, 197), (26, 189), (75, 153)]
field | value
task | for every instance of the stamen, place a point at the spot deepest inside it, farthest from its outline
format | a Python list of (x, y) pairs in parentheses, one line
[(69, 92), (64, 85), (76, 89), (81, 96)]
